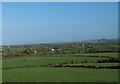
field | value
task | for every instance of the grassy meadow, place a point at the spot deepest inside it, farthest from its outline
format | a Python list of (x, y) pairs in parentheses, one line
[(48, 74), (28, 69), (61, 62)]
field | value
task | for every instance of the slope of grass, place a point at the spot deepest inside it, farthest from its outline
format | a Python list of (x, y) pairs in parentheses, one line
[(27, 61), (62, 74), (47, 74)]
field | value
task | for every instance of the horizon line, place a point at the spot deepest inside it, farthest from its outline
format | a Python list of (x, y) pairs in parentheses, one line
[(56, 42)]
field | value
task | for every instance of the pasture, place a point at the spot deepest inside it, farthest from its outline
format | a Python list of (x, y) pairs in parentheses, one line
[(47, 74), (27, 61), (29, 69)]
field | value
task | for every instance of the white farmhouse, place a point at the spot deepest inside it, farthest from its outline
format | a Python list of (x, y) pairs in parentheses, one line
[(35, 51), (52, 49), (83, 45)]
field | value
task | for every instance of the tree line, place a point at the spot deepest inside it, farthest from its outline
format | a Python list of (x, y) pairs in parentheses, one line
[(62, 48)]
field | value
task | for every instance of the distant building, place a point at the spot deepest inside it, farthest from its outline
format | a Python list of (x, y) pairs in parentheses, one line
[(83, 45), (35, 51), (55, 49), (52, 49)]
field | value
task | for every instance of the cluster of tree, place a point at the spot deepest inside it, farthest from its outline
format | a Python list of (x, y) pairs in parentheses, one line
[(60, 48), (101, 48), (81, 66), (112, 59)]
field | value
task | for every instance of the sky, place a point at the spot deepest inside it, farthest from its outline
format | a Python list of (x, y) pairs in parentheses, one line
[(50, 22)]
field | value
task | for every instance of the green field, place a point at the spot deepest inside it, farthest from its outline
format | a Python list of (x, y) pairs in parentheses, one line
[(99, 54), (15, 62), (46, 74), (17, 70)]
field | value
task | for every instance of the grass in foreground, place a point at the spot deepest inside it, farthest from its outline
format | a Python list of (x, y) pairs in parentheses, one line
[(52, 74), (46, 74)]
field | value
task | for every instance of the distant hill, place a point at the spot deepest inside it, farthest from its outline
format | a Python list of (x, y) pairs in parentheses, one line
[(100, 41), (75, 42)]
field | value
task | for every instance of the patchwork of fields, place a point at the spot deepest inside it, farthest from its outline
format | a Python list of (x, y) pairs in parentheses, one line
[(29, 69)]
